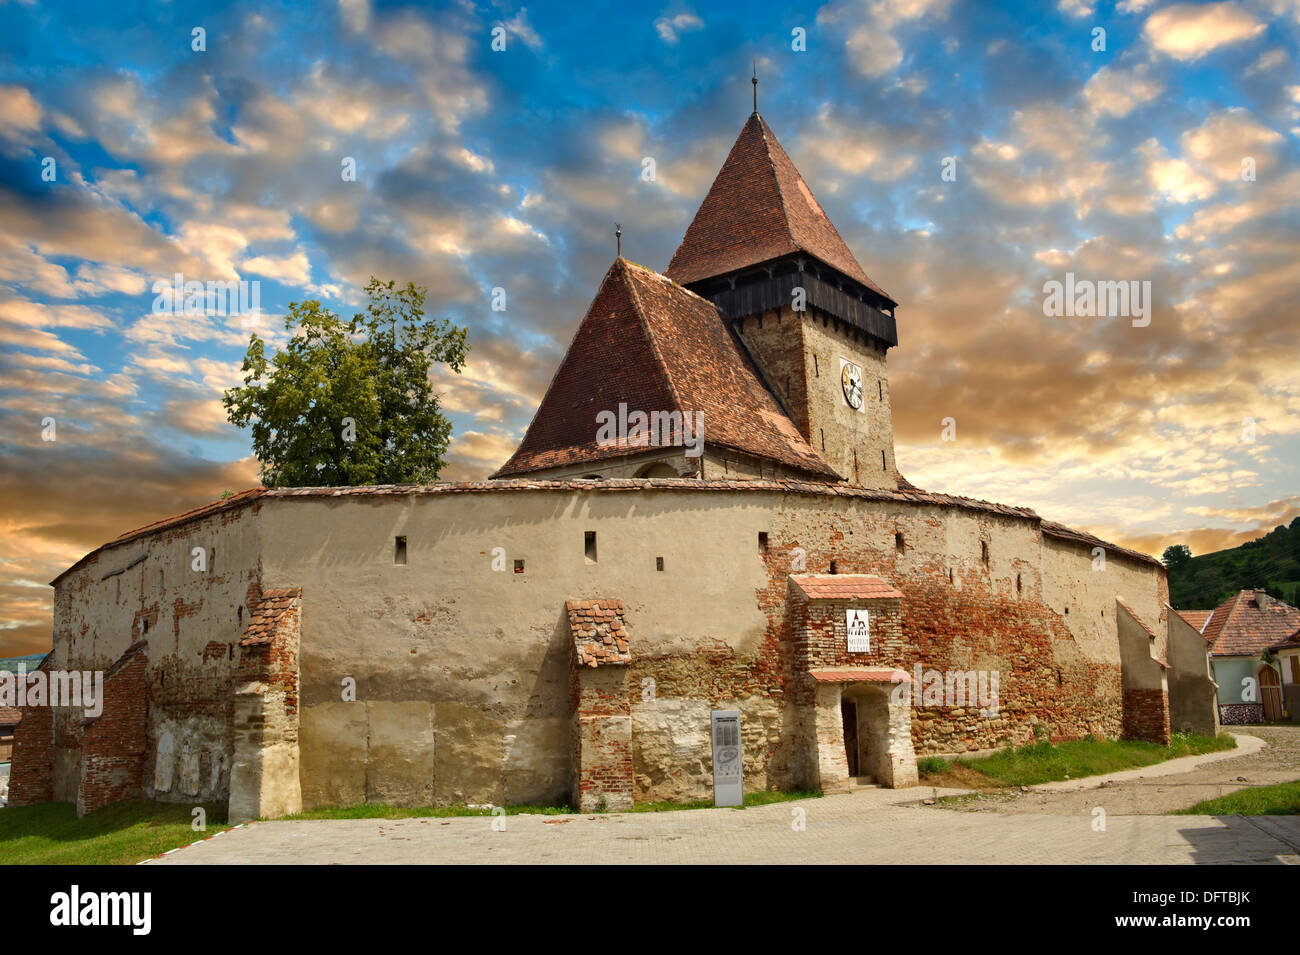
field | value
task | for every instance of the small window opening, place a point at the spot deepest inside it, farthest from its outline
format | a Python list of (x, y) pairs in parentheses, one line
[(817, 371), (589, 546), (984, 552), (232, 651), (144, 626), (659, 563), (834, 568), (1018, 587), (240, 615), (880, 386), (399, 550), (1067, 611), (762, 541), (949, 575), (519, 566), (883, 465), (899, 544), (823, 431)]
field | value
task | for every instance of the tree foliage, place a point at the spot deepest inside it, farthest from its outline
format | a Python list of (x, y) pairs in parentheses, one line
[(350, 402), (1270, 563)]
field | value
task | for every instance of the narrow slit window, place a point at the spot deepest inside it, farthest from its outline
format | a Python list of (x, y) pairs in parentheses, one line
[(984, 552), (659, 563), (762, 541), (399, 550), (880, 386), (1018, 583), (883, 465), (899, 544), (834, 567), (589, 546)]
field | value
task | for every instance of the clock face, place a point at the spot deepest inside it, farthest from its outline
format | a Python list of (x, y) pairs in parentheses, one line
[(851, 381)]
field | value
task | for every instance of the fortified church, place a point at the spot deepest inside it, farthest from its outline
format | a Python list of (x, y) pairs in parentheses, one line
[(568, 630)]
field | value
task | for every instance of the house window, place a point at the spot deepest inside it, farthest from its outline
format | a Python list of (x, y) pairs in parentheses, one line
[(519, 566), (589, 546), (899, 545), (762, 541), (399, 550), (659, 563)]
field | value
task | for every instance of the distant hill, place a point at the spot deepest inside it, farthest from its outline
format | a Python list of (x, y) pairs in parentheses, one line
[(31, 662), (1271, 562)]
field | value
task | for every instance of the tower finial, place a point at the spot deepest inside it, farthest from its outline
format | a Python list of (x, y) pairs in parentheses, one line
[(618, 237), (755, 82)]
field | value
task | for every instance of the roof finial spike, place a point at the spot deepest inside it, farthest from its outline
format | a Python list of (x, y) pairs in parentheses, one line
[(755, 82), (618, 237)]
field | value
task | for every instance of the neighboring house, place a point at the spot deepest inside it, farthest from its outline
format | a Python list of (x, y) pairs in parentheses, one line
[(10, 717), (1240, 631), (1288, 661)]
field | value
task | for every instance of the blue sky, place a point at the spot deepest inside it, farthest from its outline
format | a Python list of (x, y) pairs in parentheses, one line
[(479, 169)]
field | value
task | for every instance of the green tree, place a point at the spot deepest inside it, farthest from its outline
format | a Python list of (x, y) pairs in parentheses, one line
[(1176, 557), (350, 402)]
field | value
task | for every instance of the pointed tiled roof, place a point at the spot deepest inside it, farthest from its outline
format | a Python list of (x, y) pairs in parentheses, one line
[(1249, 622), (759, 208), (657, 347)]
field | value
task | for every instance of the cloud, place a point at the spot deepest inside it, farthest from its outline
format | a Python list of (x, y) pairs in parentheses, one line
[(870, 42), (1117, 92), (670, 29), (1188, 31)]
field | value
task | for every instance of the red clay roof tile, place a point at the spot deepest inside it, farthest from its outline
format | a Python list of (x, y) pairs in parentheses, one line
[(654, 346), (759, 208)]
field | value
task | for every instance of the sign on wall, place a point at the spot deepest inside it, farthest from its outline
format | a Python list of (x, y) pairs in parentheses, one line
[(728, 769), (858, 628)]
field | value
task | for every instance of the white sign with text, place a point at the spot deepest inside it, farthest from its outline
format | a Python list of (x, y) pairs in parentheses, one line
[(858, 629)]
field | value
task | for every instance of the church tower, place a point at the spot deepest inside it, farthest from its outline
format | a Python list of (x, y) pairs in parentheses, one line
[(762, 249)]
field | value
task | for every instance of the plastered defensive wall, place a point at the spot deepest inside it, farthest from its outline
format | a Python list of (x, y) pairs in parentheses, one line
[(462, 672)]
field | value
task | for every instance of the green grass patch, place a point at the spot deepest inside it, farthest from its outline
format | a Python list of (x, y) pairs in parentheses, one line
[(121, 834), (1280, 799), (932, 765), (1046, 762), (371, 810), (761, 797)]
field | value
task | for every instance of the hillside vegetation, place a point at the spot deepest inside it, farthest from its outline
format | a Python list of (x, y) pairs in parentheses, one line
[(1271, 562)]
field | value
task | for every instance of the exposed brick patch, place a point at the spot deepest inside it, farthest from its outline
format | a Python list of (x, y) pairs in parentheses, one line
[(602, 754), (113, 744), (31, 773), (1146, 715)]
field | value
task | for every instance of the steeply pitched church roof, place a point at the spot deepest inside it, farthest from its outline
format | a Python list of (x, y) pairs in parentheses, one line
[(657, 347), (759, 208)]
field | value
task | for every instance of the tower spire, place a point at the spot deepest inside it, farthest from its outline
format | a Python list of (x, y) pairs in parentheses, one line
[(618, 238), (755, 82)]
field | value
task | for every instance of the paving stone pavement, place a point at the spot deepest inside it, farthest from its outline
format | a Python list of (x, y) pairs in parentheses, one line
[(868, 826)]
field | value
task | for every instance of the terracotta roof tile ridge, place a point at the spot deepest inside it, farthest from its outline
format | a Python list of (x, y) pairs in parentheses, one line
[(638, 308), (769, 137)]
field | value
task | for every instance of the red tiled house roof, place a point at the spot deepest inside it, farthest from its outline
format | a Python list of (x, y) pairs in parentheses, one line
[(1290, 643), (1196, 618), (759, 208), (1248, 623), (657, 347)]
